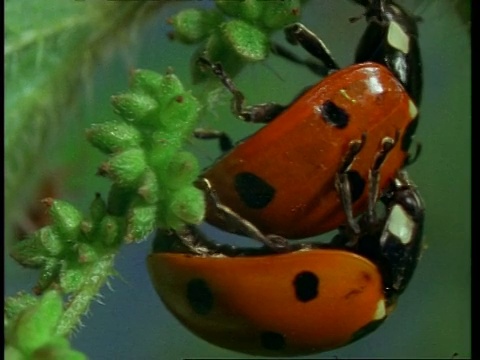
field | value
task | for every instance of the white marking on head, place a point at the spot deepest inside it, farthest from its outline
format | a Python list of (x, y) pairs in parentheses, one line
[(397, 38), (400, 224)]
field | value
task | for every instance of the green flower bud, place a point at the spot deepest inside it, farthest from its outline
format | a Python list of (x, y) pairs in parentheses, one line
[(193, 25), (249, 10), (34, 251), (72, 276), (182, 170), (180, 115), (170, 87), (113, 136), (98, 208), (146, 81), (109, 230), (141, 222), (187, 206), (86, 253), (48, 275), (149, 189), (65, 217), (134, 107), (278, 14), (246, 40), (125, 168)]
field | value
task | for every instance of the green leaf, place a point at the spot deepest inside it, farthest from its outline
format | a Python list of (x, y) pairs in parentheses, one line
[(50, 47)]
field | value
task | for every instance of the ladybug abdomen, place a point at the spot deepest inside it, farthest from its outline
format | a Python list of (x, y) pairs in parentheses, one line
[(282, 179)]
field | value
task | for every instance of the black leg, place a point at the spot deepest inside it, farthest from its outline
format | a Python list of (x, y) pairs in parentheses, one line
[(342, 183), (235, 223), (412, 158), (374, 176), (299, 34), (261, 113), (224, 140), (314, 66)]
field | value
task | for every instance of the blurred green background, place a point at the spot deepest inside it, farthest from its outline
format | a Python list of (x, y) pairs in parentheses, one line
[(433, 318)]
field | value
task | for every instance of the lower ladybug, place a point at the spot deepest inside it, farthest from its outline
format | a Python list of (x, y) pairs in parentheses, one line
[(312, 299)]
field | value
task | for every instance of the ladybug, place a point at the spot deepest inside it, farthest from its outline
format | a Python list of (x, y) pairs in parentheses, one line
[(312, 299), (309, 170)]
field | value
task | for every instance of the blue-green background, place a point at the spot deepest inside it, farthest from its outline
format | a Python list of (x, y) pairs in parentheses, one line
[(433, 317)]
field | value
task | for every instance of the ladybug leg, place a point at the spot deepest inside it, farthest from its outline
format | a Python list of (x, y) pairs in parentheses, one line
[(191, 240), (412, 158), (314, 66), (342, 184), (261, 113), (374, 175), (224, 140), (299, 34), (240, 225)]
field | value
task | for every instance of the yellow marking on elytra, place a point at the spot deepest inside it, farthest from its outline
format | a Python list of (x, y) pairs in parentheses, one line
[(344, 93), (412, 109)]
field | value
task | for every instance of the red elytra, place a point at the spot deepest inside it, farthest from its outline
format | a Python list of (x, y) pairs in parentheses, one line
[(282, 178), (289, 304)]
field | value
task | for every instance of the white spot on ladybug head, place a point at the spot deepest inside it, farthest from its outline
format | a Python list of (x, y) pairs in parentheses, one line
[(400, 224), (397, 38), (380, 311), (412, 108)]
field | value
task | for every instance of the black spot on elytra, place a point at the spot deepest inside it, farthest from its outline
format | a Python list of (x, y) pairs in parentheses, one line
[(367, 329), (357, 185), (408, 134), (199, 296), (272, 340), (306, 286), (334, 115), (255, 192)]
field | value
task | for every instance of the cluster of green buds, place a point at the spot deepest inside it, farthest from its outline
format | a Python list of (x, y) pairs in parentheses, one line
[(152, 187), (152, 176), (235, 32)]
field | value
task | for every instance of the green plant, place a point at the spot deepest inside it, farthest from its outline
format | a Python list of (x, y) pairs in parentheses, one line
[(150, 172)]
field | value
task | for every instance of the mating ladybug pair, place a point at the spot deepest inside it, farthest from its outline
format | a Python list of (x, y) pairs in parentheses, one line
[(323, 162)]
